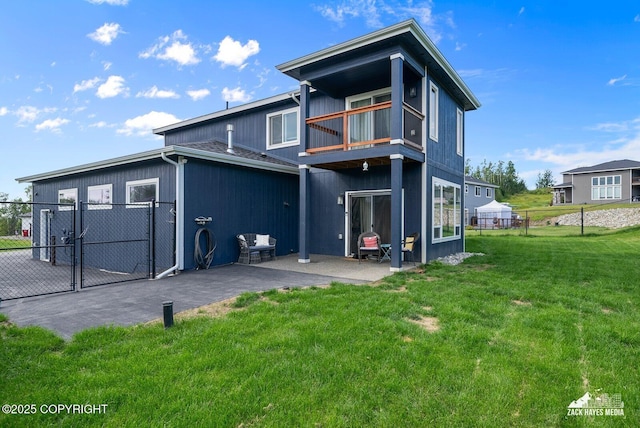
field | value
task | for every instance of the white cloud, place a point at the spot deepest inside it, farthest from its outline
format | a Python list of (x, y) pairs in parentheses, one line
[(637, 18), (106, 34), (353, 9), (625, 145), (3, 111), (235, 94), (106, 65), (521, 11), (460, 46), (232, 52), (198, 94), (154, 92), (172, 48), (86, 84), (100, 124), (143, 125), (30, 113), (615, 80), (111, 2), (113, 87), (52, 125)]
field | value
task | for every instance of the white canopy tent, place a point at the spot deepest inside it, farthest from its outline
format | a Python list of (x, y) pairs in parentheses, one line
[(494, 215)]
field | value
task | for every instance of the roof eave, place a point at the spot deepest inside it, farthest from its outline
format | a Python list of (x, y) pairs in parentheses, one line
[(157, 154), (403, 27)]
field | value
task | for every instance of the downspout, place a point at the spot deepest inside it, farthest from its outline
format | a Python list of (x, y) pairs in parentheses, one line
[(179, 215)]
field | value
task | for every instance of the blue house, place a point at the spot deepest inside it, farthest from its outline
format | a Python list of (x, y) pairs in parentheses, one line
[(477, 193), (373, 139)]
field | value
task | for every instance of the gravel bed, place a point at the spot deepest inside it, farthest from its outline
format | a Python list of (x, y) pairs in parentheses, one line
[(614, 219)]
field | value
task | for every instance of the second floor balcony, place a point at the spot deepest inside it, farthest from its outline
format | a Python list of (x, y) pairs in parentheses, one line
[(362, 127)]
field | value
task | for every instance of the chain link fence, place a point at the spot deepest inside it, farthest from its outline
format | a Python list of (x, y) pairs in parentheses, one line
[(569, 220)]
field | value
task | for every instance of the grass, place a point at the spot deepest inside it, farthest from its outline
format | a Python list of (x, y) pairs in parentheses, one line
[(521, 332), (15, 242)]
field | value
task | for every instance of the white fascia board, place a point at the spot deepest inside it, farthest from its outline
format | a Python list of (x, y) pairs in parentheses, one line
[(226, 112), (403, 27), (157, 154)]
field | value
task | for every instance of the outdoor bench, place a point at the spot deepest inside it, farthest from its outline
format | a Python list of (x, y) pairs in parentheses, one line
[(256, 248)]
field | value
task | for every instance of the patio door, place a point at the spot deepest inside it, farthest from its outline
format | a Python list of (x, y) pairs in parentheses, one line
[(367, 211)]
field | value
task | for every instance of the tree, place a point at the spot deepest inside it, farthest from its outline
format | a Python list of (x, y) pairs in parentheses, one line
[(545, 180), (10, 212), (505, 177)]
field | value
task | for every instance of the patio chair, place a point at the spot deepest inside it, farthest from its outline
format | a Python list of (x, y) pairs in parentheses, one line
[(369, 243), (409, 246)]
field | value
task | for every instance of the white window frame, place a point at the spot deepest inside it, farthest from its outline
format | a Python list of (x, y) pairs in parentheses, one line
[(488, 192), (466, 189), (434, 101), (65, 193), (270, 144), (102, 205), (605, 187), (478, 191), (436, 205), (459, 131), (143, 182), (363, 96)]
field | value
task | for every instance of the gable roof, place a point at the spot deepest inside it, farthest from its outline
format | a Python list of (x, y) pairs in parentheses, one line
[(472, 180), (210, 151), (615, 165)]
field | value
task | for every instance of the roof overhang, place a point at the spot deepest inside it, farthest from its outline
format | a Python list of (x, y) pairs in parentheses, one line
[(187, 152), (408, 32)]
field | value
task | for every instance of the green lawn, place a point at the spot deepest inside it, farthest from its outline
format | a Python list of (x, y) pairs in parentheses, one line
[(14, 242), (519, 334)]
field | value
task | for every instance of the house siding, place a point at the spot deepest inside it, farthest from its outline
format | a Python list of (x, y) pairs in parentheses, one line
[(239, 200), (582, 187)]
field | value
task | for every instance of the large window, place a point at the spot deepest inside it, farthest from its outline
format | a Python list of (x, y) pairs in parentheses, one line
[(68, 196), (370, 125), (282, 129), (433, 111), (459, 131), (141, 192), (606, 187), (446, 210), (99, 197)]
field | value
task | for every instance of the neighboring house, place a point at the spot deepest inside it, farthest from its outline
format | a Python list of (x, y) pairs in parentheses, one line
[(617, 180), (476, 194), (372, 140)]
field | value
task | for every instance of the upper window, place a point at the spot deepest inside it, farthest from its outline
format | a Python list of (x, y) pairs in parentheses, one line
[(606, 187), (459, 132), (282, 129), (466, 189), (446, 210), (478, 191), (433, 111), (141, 192), (68, 197), (369, 125), (488, 192), (99, 197)]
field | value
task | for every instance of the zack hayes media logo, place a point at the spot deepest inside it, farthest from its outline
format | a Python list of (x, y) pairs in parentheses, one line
[(597, 405)]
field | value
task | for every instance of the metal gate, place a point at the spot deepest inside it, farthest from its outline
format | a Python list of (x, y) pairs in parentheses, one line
[(112, 243)]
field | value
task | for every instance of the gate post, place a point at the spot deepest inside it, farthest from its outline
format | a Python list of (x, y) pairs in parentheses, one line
[(152, 237)]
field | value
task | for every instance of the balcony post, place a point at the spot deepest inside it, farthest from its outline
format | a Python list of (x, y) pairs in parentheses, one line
[(304, 227), (304, 115), (396, 212), (397, 61)]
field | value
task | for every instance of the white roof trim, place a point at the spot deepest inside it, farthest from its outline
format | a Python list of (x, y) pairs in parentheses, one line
[(157, 154), (226, 112), (403, 27)]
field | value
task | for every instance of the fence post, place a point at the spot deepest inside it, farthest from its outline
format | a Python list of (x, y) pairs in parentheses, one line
[(581, 220), (74, 261), (153, 238), (526, 222), (81, 244)]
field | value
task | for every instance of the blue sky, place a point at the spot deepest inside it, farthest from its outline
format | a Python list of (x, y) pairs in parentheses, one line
[(82, 81)]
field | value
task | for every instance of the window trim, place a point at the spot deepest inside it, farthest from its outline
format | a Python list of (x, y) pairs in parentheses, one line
[(459, 131), (100, 205), (603, 189), (477, 191), (488, 192), (270, 145), (141, 182), (434, 107), (457, 212), (73, 190)]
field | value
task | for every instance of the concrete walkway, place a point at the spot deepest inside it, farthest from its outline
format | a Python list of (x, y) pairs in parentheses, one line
[(141, 301)]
